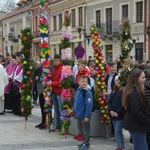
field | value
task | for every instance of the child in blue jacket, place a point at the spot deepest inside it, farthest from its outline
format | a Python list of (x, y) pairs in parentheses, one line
[(83, 110)]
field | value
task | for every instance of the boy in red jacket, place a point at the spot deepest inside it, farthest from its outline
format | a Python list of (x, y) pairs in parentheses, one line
[(56, 90)]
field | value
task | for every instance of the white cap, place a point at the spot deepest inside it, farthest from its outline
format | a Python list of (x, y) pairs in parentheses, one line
[(116, 78)]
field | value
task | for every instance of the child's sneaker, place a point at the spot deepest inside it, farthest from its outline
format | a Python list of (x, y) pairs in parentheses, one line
[(84, 147), (80, 145), (77, 136)]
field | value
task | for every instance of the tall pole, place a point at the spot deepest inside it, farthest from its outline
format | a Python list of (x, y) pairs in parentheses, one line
[(145, 23), (148, 26)]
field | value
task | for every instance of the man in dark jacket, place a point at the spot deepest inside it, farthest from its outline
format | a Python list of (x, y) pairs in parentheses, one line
[(110, 82), (56, 89), (39, 80)]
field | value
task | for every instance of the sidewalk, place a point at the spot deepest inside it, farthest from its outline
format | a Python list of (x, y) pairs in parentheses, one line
[(14, 136)]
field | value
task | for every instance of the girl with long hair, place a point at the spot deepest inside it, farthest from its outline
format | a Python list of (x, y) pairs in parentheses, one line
[(136, 120)]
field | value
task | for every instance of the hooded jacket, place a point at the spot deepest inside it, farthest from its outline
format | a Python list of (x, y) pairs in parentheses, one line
[(83, 107), (56, 75)]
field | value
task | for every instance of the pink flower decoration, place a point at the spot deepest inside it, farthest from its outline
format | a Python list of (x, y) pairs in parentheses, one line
[(66, 72), (66, 53), (66, 94), (67, 35)]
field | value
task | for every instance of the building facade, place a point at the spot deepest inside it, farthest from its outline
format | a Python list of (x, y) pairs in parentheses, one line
[(12, 24), (108, 16), (1, 33), (35, 26), (57, 9)]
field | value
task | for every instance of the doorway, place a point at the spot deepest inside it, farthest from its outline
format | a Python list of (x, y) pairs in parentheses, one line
[(139, 51), (109, 52)]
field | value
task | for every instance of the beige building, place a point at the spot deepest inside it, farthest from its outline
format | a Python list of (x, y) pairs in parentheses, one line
[(2, 14), (108, 16), (57, 11), (12, 24)]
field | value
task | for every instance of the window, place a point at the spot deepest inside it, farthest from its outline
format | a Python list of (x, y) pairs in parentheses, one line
[(98, 18), (36, 23), (54, 23), (124, 12), (139, 11), (60, 21), (109, 20), (80, 16), (73, 18), (139, 51)]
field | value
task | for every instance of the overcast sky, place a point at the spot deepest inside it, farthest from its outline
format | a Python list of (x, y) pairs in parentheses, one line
[(4, 2)]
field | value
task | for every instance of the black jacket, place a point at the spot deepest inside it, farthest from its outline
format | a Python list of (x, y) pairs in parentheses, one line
[(113, 80), (115, 104), (136, 117), (147, 95)]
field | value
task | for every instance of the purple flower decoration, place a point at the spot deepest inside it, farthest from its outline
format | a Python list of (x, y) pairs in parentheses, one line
[(65, 116), (79, 51)]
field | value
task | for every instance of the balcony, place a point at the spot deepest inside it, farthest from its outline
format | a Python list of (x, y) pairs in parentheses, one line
[(110, 32), (12, 38)]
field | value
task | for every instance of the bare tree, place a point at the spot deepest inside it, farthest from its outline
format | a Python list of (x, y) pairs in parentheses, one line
[(8, 6)]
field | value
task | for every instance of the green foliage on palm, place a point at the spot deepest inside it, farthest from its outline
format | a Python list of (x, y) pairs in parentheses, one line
[(65, 43), (67, 82), (126, 41), (125, 35), (67, 62), (125, 57), (28, 69)]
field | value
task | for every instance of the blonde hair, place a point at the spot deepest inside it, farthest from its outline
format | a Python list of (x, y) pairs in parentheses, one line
[(82, 61)]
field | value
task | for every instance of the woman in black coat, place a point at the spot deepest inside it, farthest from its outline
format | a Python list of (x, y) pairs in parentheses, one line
[(147, 99), (136, 119)]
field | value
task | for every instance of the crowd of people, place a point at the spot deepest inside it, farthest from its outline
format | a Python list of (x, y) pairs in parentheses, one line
[(128, 107)]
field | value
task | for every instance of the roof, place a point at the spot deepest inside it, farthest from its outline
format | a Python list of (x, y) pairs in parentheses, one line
[(55, 1), (21, 1), (37, 3), (17, 10)]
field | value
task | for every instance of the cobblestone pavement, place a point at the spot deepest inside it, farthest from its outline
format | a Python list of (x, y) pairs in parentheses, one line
[(14, 136)]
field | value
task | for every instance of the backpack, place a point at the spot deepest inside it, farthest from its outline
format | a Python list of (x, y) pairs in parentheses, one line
[(94, 101)]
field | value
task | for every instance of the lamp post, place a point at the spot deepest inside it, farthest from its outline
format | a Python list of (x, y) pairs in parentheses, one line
[(88, 37)]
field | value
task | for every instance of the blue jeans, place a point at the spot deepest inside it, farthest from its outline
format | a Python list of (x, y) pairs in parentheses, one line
[(57, 109), (118, 125), (139, 140)]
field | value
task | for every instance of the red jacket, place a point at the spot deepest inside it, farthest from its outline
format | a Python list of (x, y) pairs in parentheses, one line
[(56, 75)]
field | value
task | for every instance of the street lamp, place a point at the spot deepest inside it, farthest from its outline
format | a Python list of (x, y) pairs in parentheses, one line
[(88, 37), (148, 30)]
